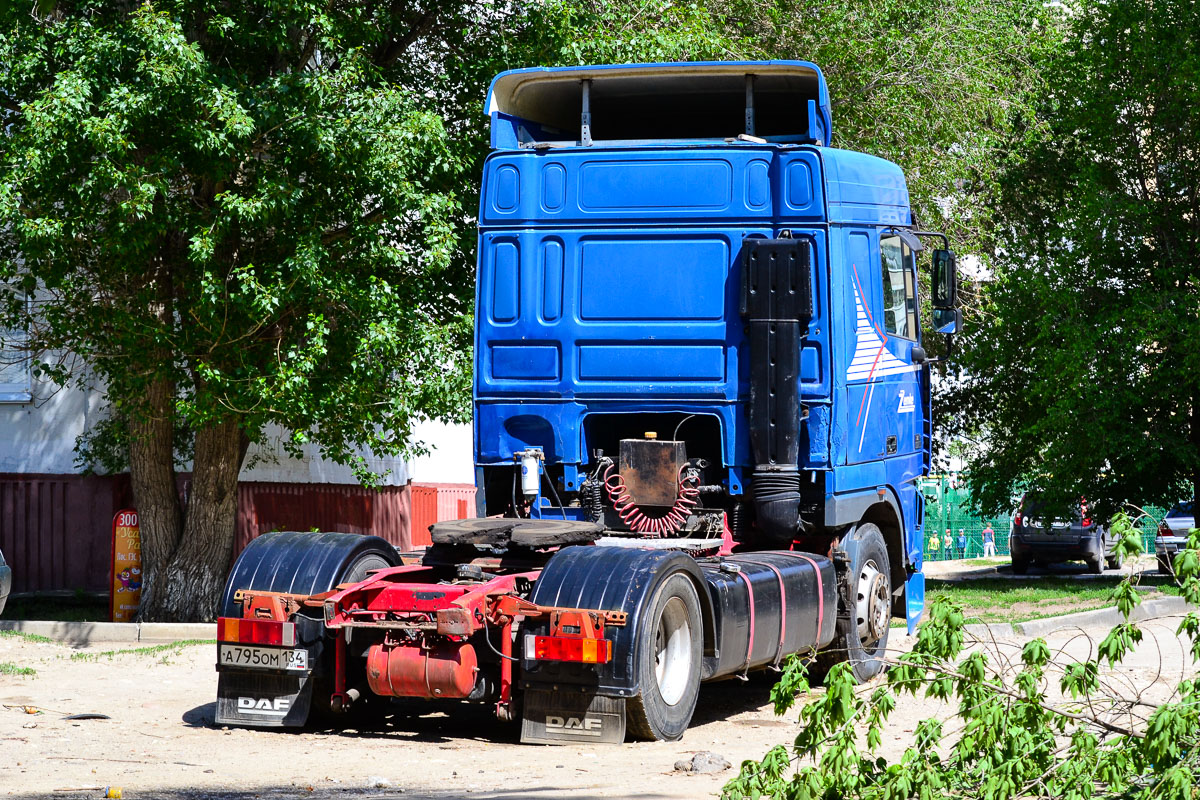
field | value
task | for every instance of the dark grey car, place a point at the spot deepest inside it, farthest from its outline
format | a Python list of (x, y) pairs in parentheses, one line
[(5, 582), (1038, 539), (1173, 535)]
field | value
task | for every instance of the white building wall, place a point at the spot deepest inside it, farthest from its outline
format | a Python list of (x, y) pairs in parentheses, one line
[(38, 437), (451, 453)]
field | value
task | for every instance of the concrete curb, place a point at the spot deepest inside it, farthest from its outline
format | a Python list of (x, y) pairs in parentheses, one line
[(1103, 617), (1100, 617), (93, 632)]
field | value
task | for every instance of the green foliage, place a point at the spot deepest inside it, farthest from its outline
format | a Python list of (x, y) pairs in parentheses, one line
[(937, 86), (8, 668), (1083, 363), (251, 206), (1004, 732)]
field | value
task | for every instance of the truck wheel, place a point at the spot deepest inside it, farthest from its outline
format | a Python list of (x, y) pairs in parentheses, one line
[(1164, 565), (669, 642), (863, 641), (1020, 566), (1096, 565), (1115, 561)]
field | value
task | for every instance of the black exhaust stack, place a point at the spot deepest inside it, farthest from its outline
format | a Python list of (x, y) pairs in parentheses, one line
[(777, 307)]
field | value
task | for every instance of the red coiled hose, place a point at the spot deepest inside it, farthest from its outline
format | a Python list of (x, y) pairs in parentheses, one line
[(687, 497)]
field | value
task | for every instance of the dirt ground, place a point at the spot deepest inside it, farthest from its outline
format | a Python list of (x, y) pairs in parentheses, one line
[(160, 741)]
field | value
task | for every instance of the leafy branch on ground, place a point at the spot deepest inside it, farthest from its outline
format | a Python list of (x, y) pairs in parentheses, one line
[(1022, 722)]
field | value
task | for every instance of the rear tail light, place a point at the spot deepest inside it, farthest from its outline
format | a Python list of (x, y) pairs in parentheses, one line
[(256, 631), (1163, 530), (1017, 519), (568, 648), (1087, 522)]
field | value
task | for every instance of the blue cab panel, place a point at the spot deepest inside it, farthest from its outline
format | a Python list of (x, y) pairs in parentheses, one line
[(614, 218)]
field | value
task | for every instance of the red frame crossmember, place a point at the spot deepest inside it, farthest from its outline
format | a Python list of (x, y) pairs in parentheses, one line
[(394, 599)]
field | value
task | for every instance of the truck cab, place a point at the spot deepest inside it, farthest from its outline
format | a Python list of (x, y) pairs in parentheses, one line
[(623, 211)]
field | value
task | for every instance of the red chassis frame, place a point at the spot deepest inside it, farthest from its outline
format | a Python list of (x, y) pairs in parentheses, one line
[(391, 600)]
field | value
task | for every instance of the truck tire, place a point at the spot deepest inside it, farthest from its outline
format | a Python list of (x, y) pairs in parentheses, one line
[(1096, 565), (1020, 566), (1165, 566), (1115, 561), (862, 639), (670, 640)]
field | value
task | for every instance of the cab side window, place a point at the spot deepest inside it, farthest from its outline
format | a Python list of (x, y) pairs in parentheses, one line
[(899, 288)]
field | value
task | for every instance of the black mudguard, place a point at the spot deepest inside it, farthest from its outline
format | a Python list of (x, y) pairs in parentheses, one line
[(300, 563), (296, 562), (608, 579)]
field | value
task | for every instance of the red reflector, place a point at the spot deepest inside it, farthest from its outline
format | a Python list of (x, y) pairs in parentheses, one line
[(564, 648), (256, 631)]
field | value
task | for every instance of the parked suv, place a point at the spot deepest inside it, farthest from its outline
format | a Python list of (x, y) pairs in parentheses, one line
[(1079, 537), (1173, 534)]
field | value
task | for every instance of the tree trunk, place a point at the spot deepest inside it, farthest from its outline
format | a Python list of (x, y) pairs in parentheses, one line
[(198, 566), (1195, 437), (152, 473)]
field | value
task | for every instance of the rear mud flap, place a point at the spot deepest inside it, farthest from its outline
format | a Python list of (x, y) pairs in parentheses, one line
[(572, 718), (263, 699)]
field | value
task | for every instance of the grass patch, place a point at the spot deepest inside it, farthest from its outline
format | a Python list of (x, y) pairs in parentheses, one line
[(164, 650), (29, 637), (7, 668), (1008, 600), (77, 608)]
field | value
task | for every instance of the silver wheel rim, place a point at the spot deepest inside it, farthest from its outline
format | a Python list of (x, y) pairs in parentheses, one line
[(672, 651), (873, 609)]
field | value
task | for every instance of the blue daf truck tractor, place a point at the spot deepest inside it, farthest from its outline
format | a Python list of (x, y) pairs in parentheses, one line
[(701, 410)]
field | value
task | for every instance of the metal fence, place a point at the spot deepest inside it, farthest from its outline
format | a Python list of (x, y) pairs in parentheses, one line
[(947, 507)]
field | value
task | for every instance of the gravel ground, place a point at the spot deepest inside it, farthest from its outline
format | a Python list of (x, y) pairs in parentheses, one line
[(160, 742)]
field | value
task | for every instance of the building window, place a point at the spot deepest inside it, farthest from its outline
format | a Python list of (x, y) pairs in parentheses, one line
[(16, 385), (899, 287)]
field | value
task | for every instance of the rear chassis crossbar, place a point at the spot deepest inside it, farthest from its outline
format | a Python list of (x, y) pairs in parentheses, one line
[(393, 599)]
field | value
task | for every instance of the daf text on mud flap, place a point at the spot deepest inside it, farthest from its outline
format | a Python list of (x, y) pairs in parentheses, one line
[(278, 707), (574, 726)]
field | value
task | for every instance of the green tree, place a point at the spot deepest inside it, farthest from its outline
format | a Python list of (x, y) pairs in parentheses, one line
[(1083, 375), (235, 214), (937, 86)]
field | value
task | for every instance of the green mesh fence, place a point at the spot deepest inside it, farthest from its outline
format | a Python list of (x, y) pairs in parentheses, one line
[(947, 507)]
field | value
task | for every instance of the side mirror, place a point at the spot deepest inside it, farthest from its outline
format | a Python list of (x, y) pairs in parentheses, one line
[(947, 320), (945, 280)]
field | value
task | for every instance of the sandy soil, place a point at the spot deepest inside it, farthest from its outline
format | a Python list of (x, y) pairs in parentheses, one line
[(160, 742)]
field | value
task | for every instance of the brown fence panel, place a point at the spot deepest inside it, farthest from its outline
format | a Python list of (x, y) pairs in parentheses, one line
[(56, 530), (266, 507)]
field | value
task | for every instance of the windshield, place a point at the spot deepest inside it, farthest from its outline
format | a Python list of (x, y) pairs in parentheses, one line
[(1180, 510)]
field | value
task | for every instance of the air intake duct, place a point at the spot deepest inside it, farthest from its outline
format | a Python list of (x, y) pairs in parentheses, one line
[(777, 307)]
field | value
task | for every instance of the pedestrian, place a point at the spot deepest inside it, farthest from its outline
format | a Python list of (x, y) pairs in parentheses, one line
[(934, 546), (948, 544), (989, 541), (962, 543)]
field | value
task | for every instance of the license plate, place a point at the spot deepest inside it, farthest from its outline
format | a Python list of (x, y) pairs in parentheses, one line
[(236, 655)]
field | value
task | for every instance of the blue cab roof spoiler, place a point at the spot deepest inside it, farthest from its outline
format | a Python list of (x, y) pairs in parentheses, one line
[(649, 102)]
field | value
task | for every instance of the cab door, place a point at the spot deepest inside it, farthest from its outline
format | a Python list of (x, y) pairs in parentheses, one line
[(885, 408)]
